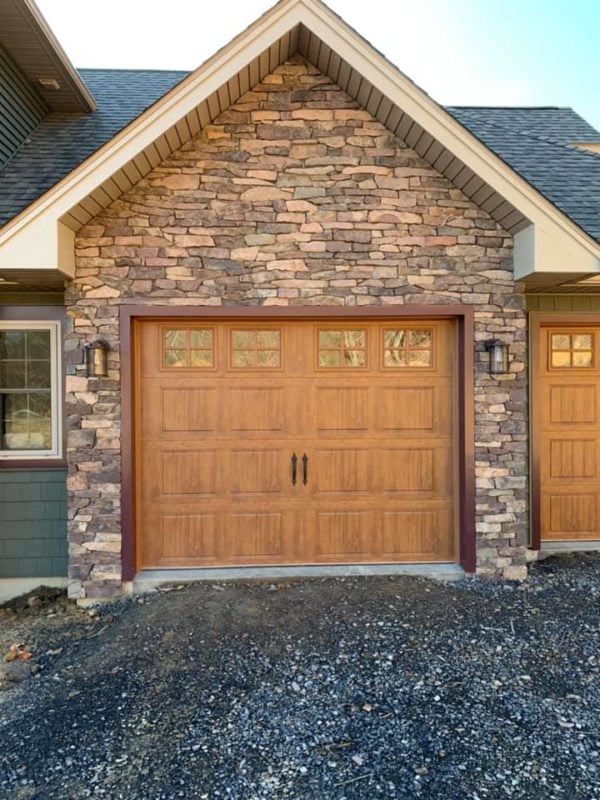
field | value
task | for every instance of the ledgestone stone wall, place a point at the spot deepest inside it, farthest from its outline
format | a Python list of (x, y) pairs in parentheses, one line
[(295, 196)]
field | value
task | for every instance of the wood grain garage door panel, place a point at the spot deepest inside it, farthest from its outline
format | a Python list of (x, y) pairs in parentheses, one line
[(569, 432), (369, 405)]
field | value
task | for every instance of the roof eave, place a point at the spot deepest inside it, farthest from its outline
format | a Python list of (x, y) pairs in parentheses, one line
[(25, 30)]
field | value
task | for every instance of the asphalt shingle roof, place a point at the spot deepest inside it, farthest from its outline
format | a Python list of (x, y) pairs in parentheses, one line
[(558, 125), (535, 142), (62, 141)]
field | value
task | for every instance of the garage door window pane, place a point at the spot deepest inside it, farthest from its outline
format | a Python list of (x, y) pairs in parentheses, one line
[(188, 347), (568, 350), (342, 348), (408, 347), (256, 348)]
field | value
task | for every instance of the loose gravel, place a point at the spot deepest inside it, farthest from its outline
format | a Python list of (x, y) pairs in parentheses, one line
[(336, 688)]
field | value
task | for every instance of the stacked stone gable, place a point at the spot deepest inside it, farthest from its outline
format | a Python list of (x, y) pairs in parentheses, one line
[(295, 196)]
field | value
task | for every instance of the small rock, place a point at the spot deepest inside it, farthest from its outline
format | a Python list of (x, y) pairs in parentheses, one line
[(34, 601), (358, 760), (93, 612)]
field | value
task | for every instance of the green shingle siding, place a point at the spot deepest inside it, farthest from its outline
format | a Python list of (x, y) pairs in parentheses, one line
[(33, 523), (20, 108)]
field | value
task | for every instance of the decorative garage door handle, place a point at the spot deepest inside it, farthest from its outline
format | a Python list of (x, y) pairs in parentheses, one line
[(294, 466), (304, 469)]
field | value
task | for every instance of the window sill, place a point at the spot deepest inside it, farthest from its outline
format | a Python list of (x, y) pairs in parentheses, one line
[(33, 463)]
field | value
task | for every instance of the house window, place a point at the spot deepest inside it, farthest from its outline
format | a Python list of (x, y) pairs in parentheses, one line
[(188, 347), (342, 348), (571, 350), (255, 349), (408, 347), (29, 390)]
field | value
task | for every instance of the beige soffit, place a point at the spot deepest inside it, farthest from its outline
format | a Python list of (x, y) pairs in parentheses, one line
[(545, 239), (25, 34)]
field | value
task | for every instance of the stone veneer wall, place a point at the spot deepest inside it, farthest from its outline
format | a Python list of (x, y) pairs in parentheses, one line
[(293, 197)]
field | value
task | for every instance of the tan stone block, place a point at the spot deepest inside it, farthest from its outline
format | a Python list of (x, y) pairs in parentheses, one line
[(288, 265), (106, 572), (312, 113), (90, 466), (178, 182), (310, 227), (96, 423), (354, 113), (439, 241), (102, 547), (287, 217), (300, 205), (264, 116), (388, 215), (303, 151), (77, 383), (77, 482), (180, 274), (259, 238), (245, 253), (313, 247), (264, 194), (194, 240), (273, 78), (214, 132), (366, 169), (263, 174), (128, 240), (104, 292)]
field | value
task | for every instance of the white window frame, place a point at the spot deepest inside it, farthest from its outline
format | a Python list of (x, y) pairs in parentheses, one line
[(55, 452)]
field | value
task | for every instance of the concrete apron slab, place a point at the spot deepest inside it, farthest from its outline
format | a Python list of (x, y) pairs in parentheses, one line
[(568, 546), (150, 579), (15, 587)]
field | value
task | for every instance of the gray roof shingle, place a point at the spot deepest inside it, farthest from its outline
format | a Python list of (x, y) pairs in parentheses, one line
[(558, 125), (535, 142), (62, 141)]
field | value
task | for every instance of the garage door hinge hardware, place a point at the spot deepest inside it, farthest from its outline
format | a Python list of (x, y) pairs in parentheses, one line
[(304, 469), (294, 466)]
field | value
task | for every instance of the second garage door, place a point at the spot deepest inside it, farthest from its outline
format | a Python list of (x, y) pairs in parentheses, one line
[(294, 442)]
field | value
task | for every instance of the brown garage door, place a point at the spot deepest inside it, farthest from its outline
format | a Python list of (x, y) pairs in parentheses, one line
[(295, 442), (569, 432)]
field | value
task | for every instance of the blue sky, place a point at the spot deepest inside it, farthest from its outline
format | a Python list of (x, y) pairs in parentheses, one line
[(462, 52)]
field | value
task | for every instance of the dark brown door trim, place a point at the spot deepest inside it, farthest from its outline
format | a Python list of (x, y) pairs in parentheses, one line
[(466, 426), (537, 321)]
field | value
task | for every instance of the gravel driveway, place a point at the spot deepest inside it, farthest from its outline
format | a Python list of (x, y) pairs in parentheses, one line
[(338, 688)]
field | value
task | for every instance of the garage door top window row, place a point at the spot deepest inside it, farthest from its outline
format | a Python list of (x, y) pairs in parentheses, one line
[(260, 348)]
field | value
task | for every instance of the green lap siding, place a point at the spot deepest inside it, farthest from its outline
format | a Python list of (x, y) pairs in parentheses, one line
[(33, 523)]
